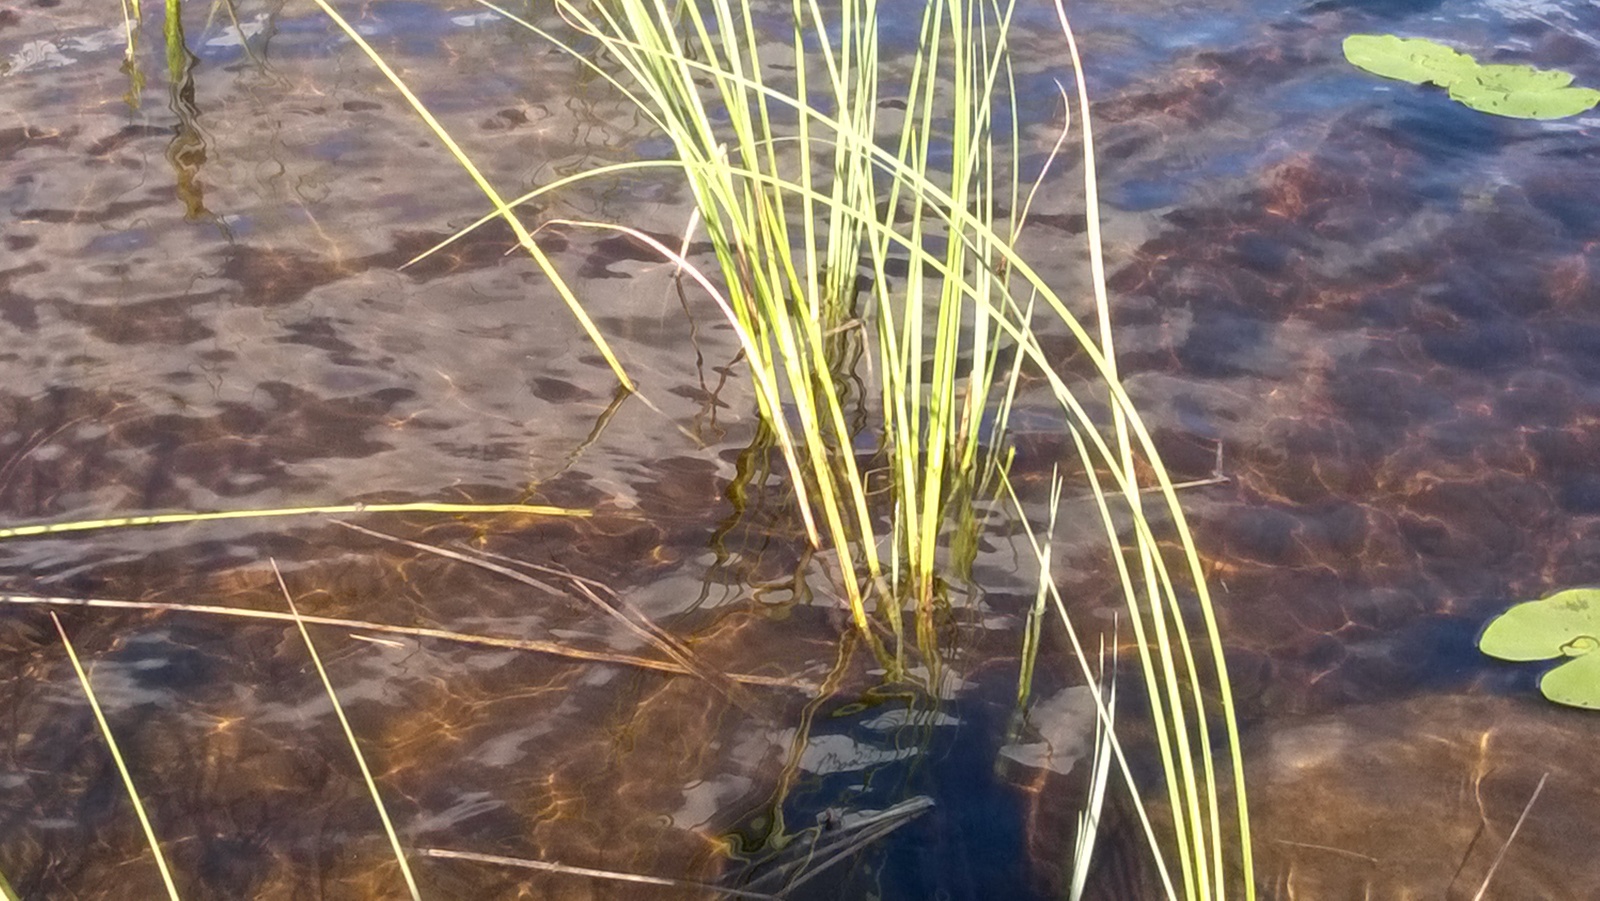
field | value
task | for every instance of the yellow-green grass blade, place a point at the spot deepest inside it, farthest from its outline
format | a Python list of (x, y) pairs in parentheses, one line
[(116, 757), (1102, 306), (1146, 538), (132, 19), (1031, 632), (350, 736), (164, 519), (172, 32), (1099, 778), (768, 396), (524, 237), (558, 184), (1166, 712), (1105, 719), (7, 893)]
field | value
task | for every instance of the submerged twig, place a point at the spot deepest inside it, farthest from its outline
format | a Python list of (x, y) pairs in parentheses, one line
[(591, 872), (1510, 838), (644, 628), (515, 644), (590, 589), (1342, 852), (841, 838)]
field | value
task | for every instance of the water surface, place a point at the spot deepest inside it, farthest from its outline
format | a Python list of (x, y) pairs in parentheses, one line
[(1378, 304)]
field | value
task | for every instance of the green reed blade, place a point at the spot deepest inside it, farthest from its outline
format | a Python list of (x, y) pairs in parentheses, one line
[(116, 757), (1099, 777), (524, 238), (1104, 714), (177, 51)]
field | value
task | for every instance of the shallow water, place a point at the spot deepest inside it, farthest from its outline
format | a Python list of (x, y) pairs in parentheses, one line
[(1381, 306)]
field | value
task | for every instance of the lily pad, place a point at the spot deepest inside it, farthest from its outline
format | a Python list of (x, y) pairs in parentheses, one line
[(1415, 60), (1552, 104), (1566, 624), (1511, 79), (1576, 684), (1521, 92)]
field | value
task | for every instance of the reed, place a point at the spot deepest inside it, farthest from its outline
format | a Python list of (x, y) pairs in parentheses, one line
[(808, 206), (28, 530), (350, 738), (116, 758)]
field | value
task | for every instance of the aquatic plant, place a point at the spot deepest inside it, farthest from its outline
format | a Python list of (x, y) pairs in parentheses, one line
[(117, 759), (809, 204), (1563, 625), (198, 516), (350, 738), (1515, 91)]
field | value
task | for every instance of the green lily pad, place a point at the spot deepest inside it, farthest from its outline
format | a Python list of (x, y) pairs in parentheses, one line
[(1415, 60), (1553, 104), (1510, 79), (1566, 624), (1575, 684), (1521, 92)]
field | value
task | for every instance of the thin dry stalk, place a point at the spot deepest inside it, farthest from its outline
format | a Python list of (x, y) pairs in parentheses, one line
[(1482, 889), (166, 519), (644, 628), (515, 644), (592, 873)]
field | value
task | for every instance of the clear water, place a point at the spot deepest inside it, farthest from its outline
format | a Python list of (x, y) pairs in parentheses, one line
[(1381, 305)]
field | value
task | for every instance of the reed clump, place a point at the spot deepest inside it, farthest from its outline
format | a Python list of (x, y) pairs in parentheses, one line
[(810, 196)]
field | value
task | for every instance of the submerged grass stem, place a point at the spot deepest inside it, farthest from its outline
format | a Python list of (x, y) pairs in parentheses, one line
[(350, 737), (116, 758), (165, 519)]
